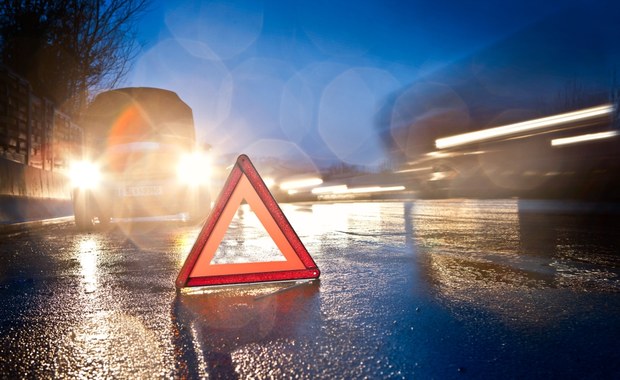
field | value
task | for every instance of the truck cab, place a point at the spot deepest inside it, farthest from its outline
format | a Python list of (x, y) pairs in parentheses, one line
[(140, 159)]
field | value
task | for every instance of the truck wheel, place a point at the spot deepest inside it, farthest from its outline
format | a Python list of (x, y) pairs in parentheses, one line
[(104, 220), (81, 211), (201, 206)]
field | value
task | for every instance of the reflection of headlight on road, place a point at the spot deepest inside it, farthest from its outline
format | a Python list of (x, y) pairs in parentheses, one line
[(194, 168), (85, 175)]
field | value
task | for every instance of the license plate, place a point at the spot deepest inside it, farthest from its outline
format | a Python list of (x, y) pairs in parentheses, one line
[(140, 191)]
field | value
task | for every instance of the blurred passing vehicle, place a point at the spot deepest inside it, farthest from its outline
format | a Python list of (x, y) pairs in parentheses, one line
[(140, 159), (572, 155)]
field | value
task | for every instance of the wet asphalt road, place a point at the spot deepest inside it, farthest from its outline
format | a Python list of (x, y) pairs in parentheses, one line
[(424, 289)]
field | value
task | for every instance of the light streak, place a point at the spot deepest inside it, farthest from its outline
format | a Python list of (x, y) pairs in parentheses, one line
[(413, 170), (374, 189), (344, 189), (301, 183), (329, 189), (525, 126), (583, 138)]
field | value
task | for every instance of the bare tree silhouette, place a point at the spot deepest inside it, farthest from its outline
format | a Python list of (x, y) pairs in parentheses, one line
[(67, 49)]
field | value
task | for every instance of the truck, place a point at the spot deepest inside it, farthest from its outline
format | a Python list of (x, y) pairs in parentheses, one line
[(140, 159)]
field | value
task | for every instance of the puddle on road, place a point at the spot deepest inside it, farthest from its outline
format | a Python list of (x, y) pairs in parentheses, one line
[(493, 255)]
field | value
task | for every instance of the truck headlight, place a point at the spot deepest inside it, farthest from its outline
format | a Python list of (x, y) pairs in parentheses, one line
[(84, 175), (194, 169)]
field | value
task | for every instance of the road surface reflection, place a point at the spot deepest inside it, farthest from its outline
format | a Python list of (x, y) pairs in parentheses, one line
[(426, 289), (508, 258)]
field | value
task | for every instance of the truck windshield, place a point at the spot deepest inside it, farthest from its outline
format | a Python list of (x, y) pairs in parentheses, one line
[(134, 115)]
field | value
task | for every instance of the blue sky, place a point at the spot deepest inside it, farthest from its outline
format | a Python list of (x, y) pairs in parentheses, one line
[(304, 79)]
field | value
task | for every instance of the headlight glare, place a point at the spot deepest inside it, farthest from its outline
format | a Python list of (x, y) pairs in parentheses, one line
[(194, 168), (84, 175)]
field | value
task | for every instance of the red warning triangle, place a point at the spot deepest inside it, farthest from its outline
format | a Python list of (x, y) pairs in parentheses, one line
[(244, 183)]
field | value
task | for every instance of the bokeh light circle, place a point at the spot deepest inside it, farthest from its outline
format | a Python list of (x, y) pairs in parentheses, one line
[(226, 28), (347, 113)]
